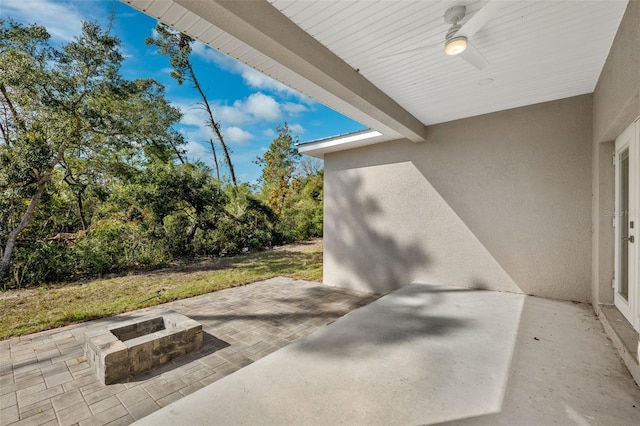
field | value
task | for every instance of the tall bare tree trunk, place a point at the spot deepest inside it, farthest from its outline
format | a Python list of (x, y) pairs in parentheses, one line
[(214, 124), (215, 159), (81, 208), (227, 157), (26, 217)]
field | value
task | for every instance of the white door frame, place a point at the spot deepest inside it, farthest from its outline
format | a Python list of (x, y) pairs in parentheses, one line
[(629, 141)]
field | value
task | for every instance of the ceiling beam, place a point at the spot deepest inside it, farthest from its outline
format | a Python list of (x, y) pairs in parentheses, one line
[(261, 26)]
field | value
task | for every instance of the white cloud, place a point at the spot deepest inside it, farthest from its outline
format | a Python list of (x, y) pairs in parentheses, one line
[(208, 54), (236, 135), (293, 108), (234, 114), (62, 20), (195, 119), (252, 78), (197, 151), (270, 133), (238, 120), (200, 134), (296, 128), (256, 108), (263, 107), (193, 114), (257, 80)]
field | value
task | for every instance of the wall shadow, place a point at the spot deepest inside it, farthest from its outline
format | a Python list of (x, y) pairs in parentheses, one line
[(361, 251), (519, 181)]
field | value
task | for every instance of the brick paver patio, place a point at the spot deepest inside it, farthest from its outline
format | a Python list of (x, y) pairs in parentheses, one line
[(44, 378)]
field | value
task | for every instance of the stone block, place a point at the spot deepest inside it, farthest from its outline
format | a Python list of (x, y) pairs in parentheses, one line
[(140, 345)]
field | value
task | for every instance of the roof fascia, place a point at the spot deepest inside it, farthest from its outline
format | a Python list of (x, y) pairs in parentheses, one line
[(319, 148)]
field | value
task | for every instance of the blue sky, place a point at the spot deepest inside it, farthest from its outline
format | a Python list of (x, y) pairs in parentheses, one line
[(248, 104)]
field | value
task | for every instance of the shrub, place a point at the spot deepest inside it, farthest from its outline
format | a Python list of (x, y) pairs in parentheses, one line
[(248, 224), (41, 262), (114, 245)]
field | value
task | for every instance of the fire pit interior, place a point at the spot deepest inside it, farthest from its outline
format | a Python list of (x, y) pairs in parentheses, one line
[(141, 344), (138, 329)]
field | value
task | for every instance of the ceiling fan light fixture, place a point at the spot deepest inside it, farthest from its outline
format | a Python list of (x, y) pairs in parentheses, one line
[(455, 46)]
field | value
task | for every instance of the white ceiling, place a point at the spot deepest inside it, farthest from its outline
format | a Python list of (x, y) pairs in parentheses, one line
[(537, 51)]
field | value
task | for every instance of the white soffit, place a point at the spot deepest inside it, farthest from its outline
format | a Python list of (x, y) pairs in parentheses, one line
[(537, 51)]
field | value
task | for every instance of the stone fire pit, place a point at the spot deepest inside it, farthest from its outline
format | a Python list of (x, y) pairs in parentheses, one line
[(141, 344)]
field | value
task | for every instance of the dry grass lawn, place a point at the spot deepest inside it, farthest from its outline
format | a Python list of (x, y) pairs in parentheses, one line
[(29, 311)]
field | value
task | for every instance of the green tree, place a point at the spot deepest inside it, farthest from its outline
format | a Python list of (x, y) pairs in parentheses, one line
[(177, 46), (68, 102), (279, 165), (303, 219), (247, 224), (184, 195)]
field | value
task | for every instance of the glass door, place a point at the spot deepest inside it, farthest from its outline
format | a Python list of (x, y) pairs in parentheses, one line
[(626, 224)]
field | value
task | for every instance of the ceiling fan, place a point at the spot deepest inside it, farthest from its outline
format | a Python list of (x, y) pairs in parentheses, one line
[(457, 40)]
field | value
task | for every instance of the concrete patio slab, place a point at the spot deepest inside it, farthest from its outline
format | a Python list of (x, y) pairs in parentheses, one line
[(430, 354)]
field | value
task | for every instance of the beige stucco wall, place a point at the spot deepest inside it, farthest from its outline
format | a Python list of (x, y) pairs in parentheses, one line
[(615, 105), (500, 201)]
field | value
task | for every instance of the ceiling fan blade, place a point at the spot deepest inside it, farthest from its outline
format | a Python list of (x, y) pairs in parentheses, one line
[(474, 57), (407, 52), (481, 17)]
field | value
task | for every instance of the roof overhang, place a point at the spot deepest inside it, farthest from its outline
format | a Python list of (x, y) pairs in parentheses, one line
[(344, 54), (258, 34), (320, 147)]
